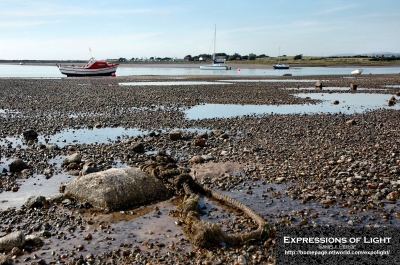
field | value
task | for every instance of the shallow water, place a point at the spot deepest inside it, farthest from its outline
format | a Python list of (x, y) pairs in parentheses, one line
[(348, 103), (275, 208), (271, 80), (46, 71), (325, 88), (79, 136), (179, 83)]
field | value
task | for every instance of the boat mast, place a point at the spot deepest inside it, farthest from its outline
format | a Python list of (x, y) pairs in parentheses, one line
[(279, 56), (215, 39)]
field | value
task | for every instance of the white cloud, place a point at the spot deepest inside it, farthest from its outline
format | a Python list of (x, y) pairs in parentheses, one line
[(25, 24)]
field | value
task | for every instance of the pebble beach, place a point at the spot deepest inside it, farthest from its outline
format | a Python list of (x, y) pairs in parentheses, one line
[(304, 170)]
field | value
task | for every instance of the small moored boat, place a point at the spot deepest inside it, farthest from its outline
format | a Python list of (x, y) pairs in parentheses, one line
[(215, 65), (92, 67), (357, 72), (280, 65)]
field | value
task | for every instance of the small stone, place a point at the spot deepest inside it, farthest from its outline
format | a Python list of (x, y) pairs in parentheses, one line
[(175, 135), (353, 87), (351, 122), (393, 196), (280, 179), (196, 160)]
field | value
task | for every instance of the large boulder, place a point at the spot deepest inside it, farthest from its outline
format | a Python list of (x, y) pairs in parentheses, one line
[(117, 189), (12, 240)]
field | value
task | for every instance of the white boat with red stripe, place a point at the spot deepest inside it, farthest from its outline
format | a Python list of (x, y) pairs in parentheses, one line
[(92, 67)]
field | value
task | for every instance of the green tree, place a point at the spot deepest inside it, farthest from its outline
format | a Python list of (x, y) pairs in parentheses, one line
[(252, 56), (298, 57), (234, 57)]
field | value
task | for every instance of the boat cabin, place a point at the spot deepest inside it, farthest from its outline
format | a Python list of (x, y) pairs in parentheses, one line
[(96, 64)]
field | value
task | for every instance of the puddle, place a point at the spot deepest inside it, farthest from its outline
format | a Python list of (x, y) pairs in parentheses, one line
[(88, 136), (270, 80), (36, 185), (276, 209), (357, 102), (79, 136), (393, 86), (179, 83), (348, 104), (326, 88)]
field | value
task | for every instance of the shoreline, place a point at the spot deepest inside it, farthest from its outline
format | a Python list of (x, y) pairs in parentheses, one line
[(197, 65)]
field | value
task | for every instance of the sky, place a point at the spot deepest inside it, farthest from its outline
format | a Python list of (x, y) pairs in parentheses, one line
[(78, 30)]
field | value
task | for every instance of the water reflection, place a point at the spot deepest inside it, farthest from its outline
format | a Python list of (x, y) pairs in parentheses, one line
[(325, 88), (348, 103), (271, 80), (179, 83)]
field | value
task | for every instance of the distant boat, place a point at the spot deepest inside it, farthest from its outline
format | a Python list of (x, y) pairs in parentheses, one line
[(280, 65), (215, 65), (357, 72), (92, 67)]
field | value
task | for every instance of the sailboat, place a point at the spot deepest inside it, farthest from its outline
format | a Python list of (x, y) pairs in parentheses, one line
[(279, 65), (215, 65)]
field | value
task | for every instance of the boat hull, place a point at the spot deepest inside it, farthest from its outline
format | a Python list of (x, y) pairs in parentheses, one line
[(214, 67), (357, 72), (280, 67), (79, 71)]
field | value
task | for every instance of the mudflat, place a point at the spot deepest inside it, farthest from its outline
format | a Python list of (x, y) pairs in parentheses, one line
[(304, 170)]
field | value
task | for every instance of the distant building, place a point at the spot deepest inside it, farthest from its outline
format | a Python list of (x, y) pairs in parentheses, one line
[(220, 59), (188, 58)]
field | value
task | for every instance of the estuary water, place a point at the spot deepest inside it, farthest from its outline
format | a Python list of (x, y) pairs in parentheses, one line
[(49, 71)]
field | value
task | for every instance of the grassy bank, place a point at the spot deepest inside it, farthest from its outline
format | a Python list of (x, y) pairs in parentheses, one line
[(325, 61)]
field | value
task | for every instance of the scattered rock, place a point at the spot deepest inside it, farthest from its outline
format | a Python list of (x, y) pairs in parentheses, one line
[(138, 148), (18, 165), (393, 196), (30, 135), (5, 260), (351, 122), (35, 202), (175, 135), (196, 160), (202, 135), (33, 240), (88, 168), (14, 239), (318, 85), (74, 158)]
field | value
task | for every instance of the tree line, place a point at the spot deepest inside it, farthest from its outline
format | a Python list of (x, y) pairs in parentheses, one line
[(205, 57)]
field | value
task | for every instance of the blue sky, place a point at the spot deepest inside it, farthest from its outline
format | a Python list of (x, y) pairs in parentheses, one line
[(65, 30)]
